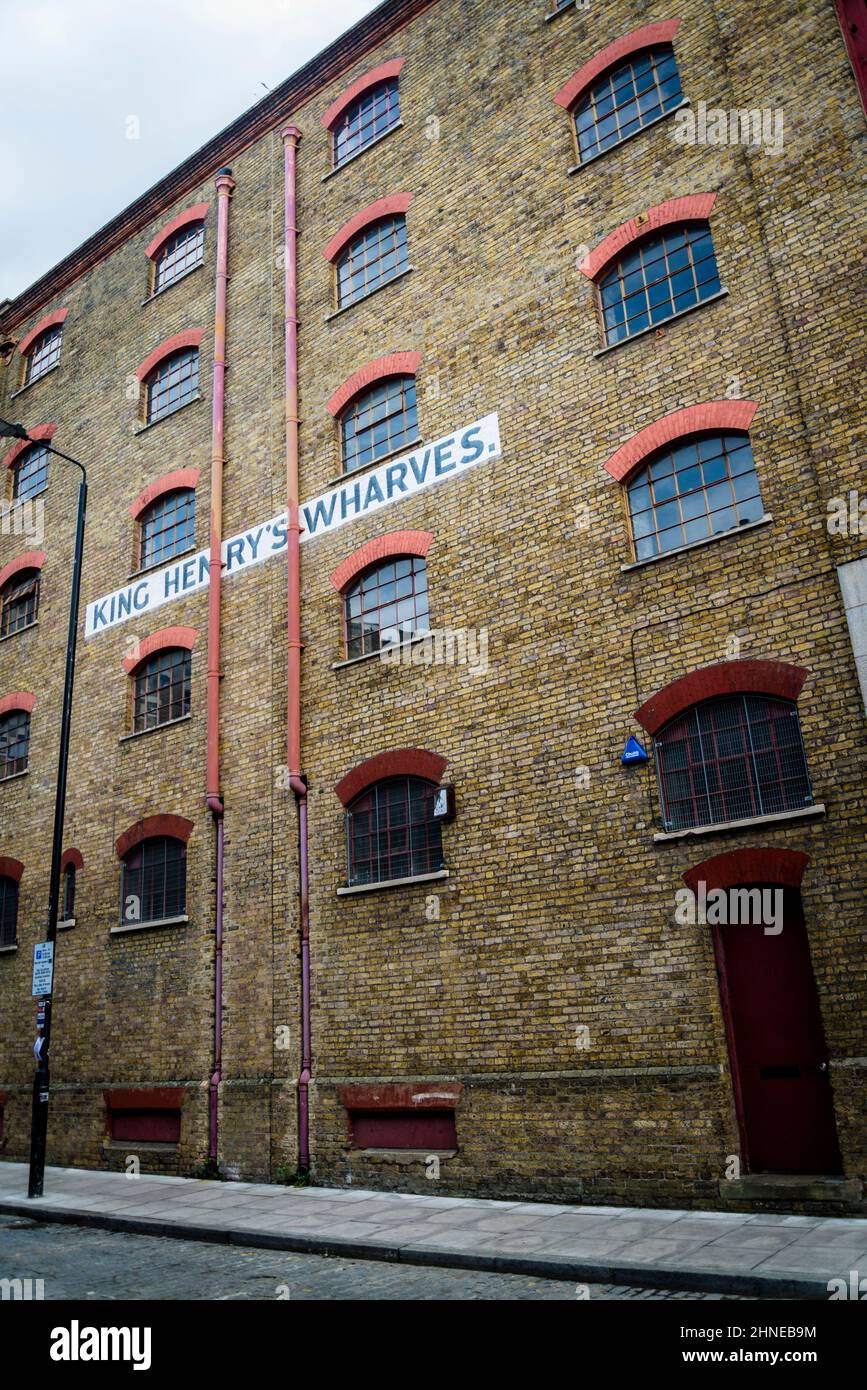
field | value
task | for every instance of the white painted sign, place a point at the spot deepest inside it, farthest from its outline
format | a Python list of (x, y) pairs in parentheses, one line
[(354, 498), (43, 967)]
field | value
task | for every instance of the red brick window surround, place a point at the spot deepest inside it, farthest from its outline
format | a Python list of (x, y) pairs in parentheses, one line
[(177, 248), (19, 593), (853, 22), (40, 348), (366, 111), (170, 375)]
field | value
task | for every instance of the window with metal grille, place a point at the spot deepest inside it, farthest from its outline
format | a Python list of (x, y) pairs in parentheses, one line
[(693, 490), (657, 279), (373, 258), (19, 602), (625, 99), (146, 1126), (14, 742), (391, 832), (154, 881), (730, 759), (44, 354), (8, 911), (428, 1130), (167, 528), (364, 120), (162, 689), (172, 384), (68, 912), (178, 254), (30, 473), (379, 421), (387, 604)]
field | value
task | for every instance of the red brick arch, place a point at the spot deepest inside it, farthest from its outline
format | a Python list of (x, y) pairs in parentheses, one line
[(71, 857), (169, 482), (737, 867), (30, 560), (384, 207), (696, 207), (648, 37), (39, 434), (395, 543), (175, 827), (400, 762), (394, 364), (191, 337), (18, 699), (695, 419), (382, 73), (197, 213), (775, 678), (11, 868), (167, 637), (57, 316)]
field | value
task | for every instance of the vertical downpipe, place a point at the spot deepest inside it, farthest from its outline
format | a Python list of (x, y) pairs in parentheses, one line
[(291, 139), (224, 184)]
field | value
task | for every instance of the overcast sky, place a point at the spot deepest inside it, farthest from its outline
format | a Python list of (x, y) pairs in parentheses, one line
[(75, 71)]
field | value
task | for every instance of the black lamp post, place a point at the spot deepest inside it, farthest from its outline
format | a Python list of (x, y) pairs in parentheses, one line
[(41, 1081)]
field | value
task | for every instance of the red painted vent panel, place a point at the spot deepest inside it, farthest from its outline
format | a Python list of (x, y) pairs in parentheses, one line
[(404, 1129), (161, 1126)]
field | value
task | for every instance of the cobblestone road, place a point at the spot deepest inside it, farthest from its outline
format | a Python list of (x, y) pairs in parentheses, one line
[(77, 1262)]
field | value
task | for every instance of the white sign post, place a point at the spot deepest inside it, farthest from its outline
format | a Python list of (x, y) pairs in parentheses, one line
[(43, 967)]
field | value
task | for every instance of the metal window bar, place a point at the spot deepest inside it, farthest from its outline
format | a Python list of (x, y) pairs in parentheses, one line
[(378, 422), (364, 120), (14, 743), (627, 99), (31, 473), (167, 528), (698, 488), (162, 689), (376, 256), (173, 384), (657, 279), (388, 604), (154, 876), (391, 832), (44, 354), (179, 254), (19, 604), (8, 911)]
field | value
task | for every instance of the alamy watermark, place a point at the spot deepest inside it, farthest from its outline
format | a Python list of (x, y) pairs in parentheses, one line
[(444, 646), (735, 907), (23, 518), (711, 125)]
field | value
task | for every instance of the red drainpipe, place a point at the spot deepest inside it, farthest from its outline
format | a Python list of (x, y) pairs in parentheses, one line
[(291, 138), (224, 183)]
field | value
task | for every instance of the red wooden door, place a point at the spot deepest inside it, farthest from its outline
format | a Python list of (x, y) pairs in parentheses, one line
[(777, 1047)]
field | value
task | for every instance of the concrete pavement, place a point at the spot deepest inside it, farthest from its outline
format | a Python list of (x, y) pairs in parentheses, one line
[(759, 1255)]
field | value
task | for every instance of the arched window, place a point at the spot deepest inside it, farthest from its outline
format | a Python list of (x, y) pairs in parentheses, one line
[(8, 910), (172, 383), (68, 901), (179, 253), (30, 473), (166, 528), (391, 832), (379, 421), (162, 689), (729, 759), (386, 604), (14, 742), (373, 258), (626, 98), (693, 489), (657, 278), (43, 354), (154, 881), (19, 602), (370, 115)]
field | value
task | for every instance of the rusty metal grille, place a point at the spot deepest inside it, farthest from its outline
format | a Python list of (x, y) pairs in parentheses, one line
[(391, 832), (387, 604), (44, 354), (173, 384), (379, 421), (19, 603), (154, 881), (731, 759), (14, 743), (696, 489), (31, 473), (621, 102), (375, 257), (162, 689), (8, 911), (364, 120), (656, 280), (179, 254), (167, 528)]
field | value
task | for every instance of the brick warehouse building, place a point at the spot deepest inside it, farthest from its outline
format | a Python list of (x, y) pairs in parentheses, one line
[(407, 919)]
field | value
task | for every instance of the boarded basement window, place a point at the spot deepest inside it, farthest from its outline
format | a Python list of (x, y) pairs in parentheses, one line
[(430, 1130), (146, 1126)]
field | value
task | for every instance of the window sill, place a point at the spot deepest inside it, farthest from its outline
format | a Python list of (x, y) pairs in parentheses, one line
[(8, 950), (169, 723), (405, 448), (18, 631), (368, 294), (657, 120), (133, 1146), (158, 564), (393, 883), (358, 153), (66, 924), (776, 818), (697, 545), (27, 385), (180, 921), (370, 656), (655, 327), (563, 9), (403, 1155), (13, 776), (152, 424), (157, 294)]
